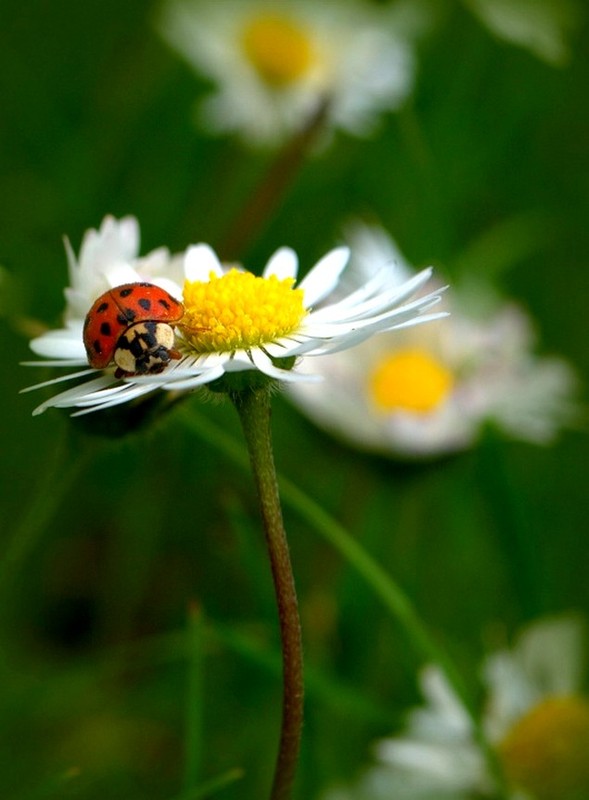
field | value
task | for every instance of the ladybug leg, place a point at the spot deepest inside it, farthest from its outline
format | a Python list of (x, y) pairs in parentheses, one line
[(195, 329)]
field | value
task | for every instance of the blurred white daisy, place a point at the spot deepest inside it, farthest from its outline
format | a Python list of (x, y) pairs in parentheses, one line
[(233, 320), (275, 63), (536, 720), (543, 27), (432, 390)]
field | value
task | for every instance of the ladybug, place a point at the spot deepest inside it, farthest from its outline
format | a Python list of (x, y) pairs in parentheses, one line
[(132, 326)]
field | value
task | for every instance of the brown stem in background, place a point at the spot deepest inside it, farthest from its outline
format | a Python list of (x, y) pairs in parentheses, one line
[(267, 195)]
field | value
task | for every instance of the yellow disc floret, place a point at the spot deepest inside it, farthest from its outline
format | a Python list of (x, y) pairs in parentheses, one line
[(239, 311), (546, 752), (410, 380), (278, 48)]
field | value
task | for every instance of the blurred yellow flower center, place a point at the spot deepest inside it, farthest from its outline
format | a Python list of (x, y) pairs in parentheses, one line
[(239, 311), (546, 752), (410, 380), (279, 49)]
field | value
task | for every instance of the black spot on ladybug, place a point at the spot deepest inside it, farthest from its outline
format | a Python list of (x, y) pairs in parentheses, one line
[(144, 338), (102, 308), (139, 338), (139, 345), (105, 329), (127, 315), (126, 292), (164, 303), (145, 303), (144, 348), (97, 347)]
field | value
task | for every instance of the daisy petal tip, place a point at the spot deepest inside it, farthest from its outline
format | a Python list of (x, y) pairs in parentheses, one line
[(284, 263), (340, 255), (199, 261)]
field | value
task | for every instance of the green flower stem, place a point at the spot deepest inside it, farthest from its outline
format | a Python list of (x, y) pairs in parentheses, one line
[(253, 407), (391, 595)]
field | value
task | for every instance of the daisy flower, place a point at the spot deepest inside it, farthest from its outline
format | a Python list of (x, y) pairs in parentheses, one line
[(432, 390), (536, 720), (274, 63), (234, 321), (541, 26)]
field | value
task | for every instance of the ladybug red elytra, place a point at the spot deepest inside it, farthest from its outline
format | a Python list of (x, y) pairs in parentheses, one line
[(132, 326)]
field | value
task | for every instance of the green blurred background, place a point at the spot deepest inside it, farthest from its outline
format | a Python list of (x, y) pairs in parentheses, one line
[(103, 669)]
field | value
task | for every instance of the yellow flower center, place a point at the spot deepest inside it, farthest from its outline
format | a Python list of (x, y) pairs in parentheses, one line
[(410, 380), (239, 311), (279, 48), (546, 752)]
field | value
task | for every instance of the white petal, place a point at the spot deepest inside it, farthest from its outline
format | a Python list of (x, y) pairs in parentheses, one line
[(551, 652), (334, 344), (65, 343), (375, 322), (546, 660), (323, 278), (200, 379), (118, 274), (334, 339), (417, 321), (239, 361), (209, 360), (282, 348), (92, 398), (302, 377), (443, 699), (457, 768), (283, 264), (117, 400), (184, 369), (117, 242), (301, 348), (511, 693), (69, 377), (265, 365), (371, 245), (386, 296), (200, 260), (169, 285), (71, 396), (377, 283)]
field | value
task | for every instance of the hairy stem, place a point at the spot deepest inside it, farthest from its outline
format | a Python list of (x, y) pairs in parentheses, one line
[(253, 407)]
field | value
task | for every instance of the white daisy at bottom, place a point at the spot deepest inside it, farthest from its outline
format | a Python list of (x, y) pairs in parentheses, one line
[(432, 390), (234, 321), (536, 720)]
